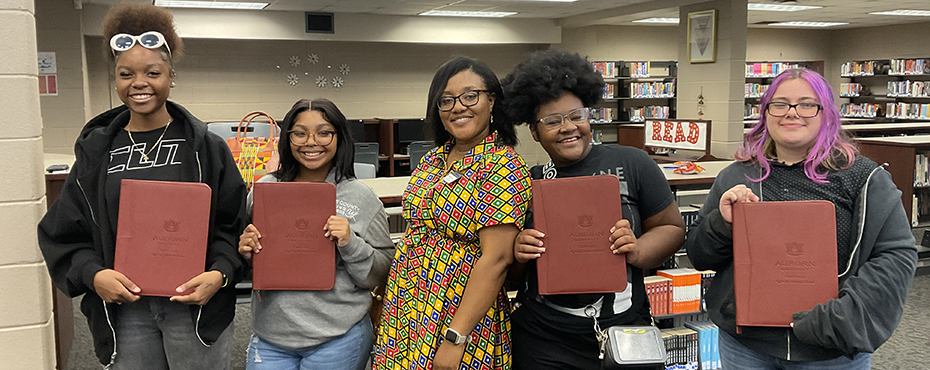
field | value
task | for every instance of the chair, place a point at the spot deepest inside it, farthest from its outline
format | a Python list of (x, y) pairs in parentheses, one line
[(365, 170), (367, 153), (227, 129), (417, 150)]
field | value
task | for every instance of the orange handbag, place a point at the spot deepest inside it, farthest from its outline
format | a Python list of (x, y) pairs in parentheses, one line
[(255, 156)]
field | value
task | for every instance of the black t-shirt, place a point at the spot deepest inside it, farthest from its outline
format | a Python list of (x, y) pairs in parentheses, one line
[(644, 192), (126, 160)]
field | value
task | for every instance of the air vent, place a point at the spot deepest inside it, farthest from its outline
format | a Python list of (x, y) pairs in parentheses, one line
[(319, 22)]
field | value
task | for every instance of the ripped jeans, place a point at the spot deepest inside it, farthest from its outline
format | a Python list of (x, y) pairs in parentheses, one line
[(349, 351)]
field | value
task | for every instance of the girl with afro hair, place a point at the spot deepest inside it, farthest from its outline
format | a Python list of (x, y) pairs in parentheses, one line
[(146, 138), (551, 91)]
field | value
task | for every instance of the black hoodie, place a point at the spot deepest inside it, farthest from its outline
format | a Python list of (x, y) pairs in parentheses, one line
[(77, 240)]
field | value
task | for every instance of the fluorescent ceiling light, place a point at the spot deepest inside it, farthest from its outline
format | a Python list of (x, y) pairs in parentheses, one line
[(209, 4), (918, 13), (780, 7), (452, 13), (808, 24), (657, 20)]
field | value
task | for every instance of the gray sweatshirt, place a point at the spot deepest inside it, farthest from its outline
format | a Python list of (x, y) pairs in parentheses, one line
[(298, 320)]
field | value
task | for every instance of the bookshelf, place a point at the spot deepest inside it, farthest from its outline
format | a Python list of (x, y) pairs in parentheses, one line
[(902, 153), (634, 91), (886, 89), (759, 76)]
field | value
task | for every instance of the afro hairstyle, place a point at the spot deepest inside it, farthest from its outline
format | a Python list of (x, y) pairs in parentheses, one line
[(543, 76), (136, 19)]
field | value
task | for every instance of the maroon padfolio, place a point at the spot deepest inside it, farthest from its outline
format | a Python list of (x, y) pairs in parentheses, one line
[(161, 235), (295, 253), (576, 215), (784, 260)]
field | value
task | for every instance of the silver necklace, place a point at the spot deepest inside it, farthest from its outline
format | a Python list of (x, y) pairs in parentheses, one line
[(145, 155)]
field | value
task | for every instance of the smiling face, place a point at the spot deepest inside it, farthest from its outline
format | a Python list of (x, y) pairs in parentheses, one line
[(315, 160), (568, 143), (468, 125), (792, 134), (143, 80)]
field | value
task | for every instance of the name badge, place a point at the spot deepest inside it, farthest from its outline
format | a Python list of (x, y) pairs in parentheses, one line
[(451, 177)]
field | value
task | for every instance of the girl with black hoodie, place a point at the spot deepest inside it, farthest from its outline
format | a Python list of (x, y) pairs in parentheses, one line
[(147, 138)]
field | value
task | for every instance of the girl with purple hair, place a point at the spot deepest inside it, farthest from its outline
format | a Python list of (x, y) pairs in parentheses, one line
[(798, 151)]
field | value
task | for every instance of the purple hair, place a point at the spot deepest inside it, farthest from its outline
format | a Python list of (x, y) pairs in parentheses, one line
[(833, 150)]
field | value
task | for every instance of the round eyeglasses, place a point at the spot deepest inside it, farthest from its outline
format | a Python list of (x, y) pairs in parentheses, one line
[(556, 120), (804, 110), (467, 99), (322, 138)]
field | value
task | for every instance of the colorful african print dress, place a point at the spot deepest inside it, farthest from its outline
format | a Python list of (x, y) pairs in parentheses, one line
[(432, 264)]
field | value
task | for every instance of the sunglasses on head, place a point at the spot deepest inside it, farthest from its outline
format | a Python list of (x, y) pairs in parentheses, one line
[(152, 40)]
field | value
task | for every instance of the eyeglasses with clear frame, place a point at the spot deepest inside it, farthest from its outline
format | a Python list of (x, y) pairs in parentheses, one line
[(555, 121), (804, 110), (467, 99), (300, 137)]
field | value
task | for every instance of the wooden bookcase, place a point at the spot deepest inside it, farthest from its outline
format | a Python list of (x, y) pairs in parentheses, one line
[(900, 153)]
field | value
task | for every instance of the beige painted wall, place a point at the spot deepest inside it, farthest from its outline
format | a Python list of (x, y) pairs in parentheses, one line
[(26, 330), (58, 27)]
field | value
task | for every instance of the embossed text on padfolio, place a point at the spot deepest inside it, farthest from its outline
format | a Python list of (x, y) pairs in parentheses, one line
[(784, 260), (161, 234), (576, 215), (295, 253)]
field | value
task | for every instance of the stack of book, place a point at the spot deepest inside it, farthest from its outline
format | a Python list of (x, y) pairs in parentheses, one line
[(608, 91), (861, 110), (707, 340), (686, 289), (908, 111), (659, 292), (681, 348), (752, 111), (862, 68), (910, 67), (643, 113), (639, 69), (768, 69), (602, 115), (652, 90), (606, 69), (851, 90), (754, 90), (912, 89)]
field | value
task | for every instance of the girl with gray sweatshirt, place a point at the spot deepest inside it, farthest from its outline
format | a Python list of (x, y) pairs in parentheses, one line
[(322, 329)]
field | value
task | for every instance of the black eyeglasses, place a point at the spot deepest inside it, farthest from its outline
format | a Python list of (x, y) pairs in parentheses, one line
[(554, 121), (467, 99), (804, 110), (299, 137)]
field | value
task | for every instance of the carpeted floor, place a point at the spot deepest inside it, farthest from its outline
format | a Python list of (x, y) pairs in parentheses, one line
[(908, 348)]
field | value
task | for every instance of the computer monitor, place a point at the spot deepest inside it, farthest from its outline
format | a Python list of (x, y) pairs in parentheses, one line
[(357, 130), (410, 130)]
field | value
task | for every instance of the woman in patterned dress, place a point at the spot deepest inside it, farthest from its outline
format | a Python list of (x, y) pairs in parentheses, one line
[(444, 305)]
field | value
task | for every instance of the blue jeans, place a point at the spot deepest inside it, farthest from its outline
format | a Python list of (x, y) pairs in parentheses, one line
[(735, 356), (154, 333), (349, 351)]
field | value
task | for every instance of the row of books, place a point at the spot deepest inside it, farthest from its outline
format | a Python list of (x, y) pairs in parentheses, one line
[(601, 115), (861, 68), (860, 110), (920, 205), (922, 169), (607, 69), (708, 334), (908, 111), (754, 90), (644, 90), (648, 112), (597, 136), (752, 111), (639, 69), (919, 89), (910, 67), (609, 91), (768, 69), (682, 348), (852, 89)]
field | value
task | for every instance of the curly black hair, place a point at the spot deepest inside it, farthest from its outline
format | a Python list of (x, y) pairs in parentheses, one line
[(543, 76), (136, 19)]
